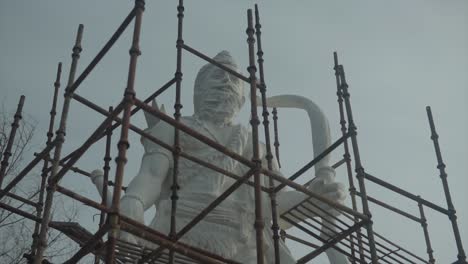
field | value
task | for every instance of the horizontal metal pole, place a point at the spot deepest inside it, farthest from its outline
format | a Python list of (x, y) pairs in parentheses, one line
[(338, 163), (22, 199), (82, 199), (302, 241), (391, 208), (405, 193), (20, 212)]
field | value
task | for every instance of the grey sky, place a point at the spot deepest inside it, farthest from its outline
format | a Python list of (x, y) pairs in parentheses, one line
[(399, 56)]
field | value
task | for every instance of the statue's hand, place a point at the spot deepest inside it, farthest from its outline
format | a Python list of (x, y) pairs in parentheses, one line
[(325, 185), (96, 175)]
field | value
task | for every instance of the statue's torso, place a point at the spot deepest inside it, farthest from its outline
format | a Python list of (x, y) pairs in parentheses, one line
[(227, 230), (228, 223)]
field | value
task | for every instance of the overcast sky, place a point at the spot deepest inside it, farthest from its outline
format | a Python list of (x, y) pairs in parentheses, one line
[(399, 56)]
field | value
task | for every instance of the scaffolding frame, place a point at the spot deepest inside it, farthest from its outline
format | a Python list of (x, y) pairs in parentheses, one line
[(343, 234)]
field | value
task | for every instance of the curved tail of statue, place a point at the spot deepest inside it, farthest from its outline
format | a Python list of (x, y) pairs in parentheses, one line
[(321, 140), (318, 122)]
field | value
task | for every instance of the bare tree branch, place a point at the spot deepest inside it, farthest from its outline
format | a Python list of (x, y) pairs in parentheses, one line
[(16, 231)]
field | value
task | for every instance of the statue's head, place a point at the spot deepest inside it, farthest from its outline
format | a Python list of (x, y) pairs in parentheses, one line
[(218, 95)]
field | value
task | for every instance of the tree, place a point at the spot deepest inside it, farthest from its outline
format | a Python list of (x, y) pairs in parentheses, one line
[(16, 231)]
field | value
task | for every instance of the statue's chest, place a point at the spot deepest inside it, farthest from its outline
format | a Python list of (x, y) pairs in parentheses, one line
[(198, 178), (222, 136)]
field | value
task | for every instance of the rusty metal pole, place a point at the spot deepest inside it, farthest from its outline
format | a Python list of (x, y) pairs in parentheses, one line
[(275, 126), (347, 156), (266, 123), (443, 176), (11, 139), (42, 245), (254, 122), (429, 249), (129, 95), (177, 106), (360, 172), (107, 159), (50, 134)]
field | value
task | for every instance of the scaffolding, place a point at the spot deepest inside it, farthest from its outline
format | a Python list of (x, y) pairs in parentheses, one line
[(352, 233)]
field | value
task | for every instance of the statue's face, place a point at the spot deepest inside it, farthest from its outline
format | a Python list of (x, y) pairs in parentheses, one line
[(218, 95)]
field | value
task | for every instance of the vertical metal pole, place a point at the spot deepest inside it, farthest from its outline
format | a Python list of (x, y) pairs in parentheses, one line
[(254, 122), (123, 144), (275, 126), (11, 139), (60, 136), (266, 126), (443, 176), (107, 159), (50, 134), (347, 158), (360, 173), (426, 233), (177, 106)]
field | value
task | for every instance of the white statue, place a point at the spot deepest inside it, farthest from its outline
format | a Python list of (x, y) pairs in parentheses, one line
[(227, 230)]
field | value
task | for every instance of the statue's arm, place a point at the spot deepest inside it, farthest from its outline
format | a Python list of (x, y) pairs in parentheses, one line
[(145, 188)]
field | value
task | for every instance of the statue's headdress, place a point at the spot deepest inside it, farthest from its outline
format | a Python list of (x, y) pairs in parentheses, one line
[(225, 58)]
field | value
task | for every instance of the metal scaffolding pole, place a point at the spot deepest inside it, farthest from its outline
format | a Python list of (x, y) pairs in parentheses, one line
[(177, 106), (107, 159), (129, 94), (426, 234), (443, 176), (44, 174), (346, 155), (14, 127), (360, 173), (254, 122), (42, 245), (276, 144), (266, 126)]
